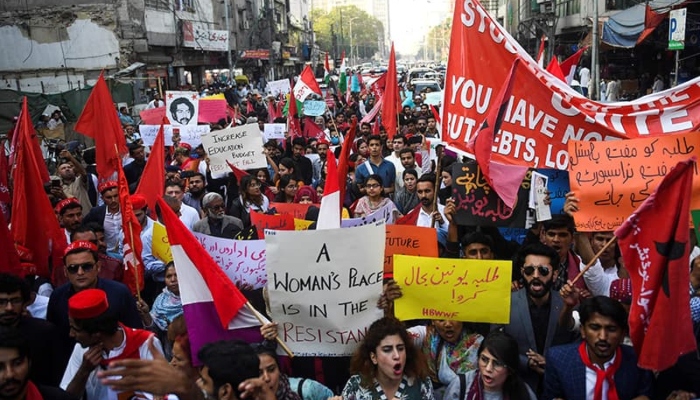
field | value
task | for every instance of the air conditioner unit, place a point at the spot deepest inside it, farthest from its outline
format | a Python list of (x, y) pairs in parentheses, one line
[(246, 24)]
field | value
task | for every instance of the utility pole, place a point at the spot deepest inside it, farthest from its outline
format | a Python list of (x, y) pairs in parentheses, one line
[(595, 92), (228, 31)]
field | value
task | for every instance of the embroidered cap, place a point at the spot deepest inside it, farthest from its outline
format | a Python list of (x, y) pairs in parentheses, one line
[(88, 303)]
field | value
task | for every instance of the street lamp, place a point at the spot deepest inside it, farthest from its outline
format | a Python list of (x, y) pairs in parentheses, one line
[(351, 41)]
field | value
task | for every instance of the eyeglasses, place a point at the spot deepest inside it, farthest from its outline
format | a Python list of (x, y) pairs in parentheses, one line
[(15, 301), (497, 366), (530, 269), (217, 207), (74, 268), (372, 185)]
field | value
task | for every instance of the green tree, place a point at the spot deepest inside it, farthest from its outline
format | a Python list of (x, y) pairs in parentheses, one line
[(349, 26), (436, 43)]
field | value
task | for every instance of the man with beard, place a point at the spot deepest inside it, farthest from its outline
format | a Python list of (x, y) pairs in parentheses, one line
[(431, 131), (320, 160), (216, 222), (134, 169), (16, 367), (100, 339), (70, 215), (431, 214), (108, 215), (558, 233), (600, 366), (40, 335), (74, 180), (197, 186), (365, 131), (535, 311), (303, 164)]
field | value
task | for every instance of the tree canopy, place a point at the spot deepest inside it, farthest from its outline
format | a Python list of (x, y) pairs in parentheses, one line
[(333, 32)]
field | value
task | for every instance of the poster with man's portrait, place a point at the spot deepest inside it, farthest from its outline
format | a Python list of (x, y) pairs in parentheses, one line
[(182, 108)]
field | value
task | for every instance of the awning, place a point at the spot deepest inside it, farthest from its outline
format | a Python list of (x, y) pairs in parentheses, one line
[(128, 70), (623, 28)]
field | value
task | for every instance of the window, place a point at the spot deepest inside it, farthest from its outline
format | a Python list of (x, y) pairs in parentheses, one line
[(568, 7), (158, 4), (185, 5)]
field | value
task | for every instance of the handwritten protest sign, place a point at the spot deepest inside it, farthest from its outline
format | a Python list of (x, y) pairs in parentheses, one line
[(456, 289), (382, 214), (211, 109), (190, 134), (182, 108), (314, 108), (408, 240), (283, 222), (161, 245), (240, 145), (278, 87), (478, 205), (324, 287), (295, 209), (242, 260), (613, 178), (152, 116), (274, 131)]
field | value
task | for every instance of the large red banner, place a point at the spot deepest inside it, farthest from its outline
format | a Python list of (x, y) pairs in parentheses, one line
[(544, 114)]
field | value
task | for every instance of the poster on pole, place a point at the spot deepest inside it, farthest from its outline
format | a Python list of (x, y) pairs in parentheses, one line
[(182, 108), (324, 287), (242, 146), (279, 87), (676, 29)]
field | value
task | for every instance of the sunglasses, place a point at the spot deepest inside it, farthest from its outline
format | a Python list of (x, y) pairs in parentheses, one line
[(529, 270), (74, 268)]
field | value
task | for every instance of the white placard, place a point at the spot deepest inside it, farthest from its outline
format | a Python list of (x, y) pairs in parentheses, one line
[(242, 260), (324, 286), (281, 86), (190, 134), (274, 131), (538, 184), (182, 108), (242, 146), (382, 214)]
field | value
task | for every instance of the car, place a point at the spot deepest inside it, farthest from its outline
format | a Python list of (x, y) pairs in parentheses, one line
[(419, 85), (417, 73)]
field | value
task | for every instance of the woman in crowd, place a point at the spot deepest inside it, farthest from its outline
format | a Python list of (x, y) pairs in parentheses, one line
[(250, 199), (306, 195), (266, 187), (286, 167), (496, 377), (361, 149), (406, 198), (373, 200), (166, 307), (180, 342), (288, 189), (387, 365)]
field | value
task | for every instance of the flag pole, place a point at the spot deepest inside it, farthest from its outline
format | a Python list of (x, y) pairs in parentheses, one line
[(437, 184), (131, 236), (263, 321), (594, 259)]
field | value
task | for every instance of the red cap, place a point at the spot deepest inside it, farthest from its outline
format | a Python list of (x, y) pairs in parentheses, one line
[(88, 303), (65, 203), (138, 201), (186, 146), (106, 186), (79, 244)]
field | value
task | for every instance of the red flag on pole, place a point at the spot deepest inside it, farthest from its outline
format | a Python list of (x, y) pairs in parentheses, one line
[(390, 108), (99, 121), (153, 176), (311, 130), (540, 52), (655, 245), (504, 179), (306, 85), (9, 259), (652, 19), (133, 278), (4, 174), (555, 69), (344, 158), (568, 66), (34, 224), (293, 119)]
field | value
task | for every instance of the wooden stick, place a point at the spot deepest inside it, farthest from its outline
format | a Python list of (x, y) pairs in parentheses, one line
[(438, 175), (264, 321), (136, 267), (595, 258)]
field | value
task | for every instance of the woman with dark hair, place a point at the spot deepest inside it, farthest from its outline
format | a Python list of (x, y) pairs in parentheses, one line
[(388, 365), (288, 189), (406, 198), (266, 187), (373, 200), (250, 199), (286, 167), (360, 147), (287, 388), (497, 376)]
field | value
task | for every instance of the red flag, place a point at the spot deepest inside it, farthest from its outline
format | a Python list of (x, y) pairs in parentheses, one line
[(249, 109), (568, 66), (132, 237), (306, 84), (377, 87), (9, 259), (99, 121), (390, 108), (652, 19), (540, 52), (4, 173), (331, 204), (411, 217), (504, 179), (655, 245), (34, 224), (435, 113), (369, 117), (345, 158), (293, 119), (153, 176), (239, 173), (311, 130), (555, 69)]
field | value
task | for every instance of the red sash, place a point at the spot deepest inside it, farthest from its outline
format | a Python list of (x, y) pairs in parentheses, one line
[(33, 392), (602, 375), (134, 339)]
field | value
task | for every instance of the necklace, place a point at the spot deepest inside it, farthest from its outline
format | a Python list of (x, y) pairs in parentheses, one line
[(399, 391)]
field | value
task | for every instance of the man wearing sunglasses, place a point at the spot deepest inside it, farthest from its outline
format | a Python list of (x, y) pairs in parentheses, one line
[(535, 310), (82, 268)]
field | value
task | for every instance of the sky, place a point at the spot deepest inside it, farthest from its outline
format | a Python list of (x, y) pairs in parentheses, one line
[(410, 20)]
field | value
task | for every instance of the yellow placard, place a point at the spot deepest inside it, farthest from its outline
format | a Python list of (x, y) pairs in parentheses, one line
[(301, 224), (453, 289), (161, 245), (219, 96)]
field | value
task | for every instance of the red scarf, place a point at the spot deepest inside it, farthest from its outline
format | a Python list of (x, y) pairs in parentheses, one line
[(33, 392), (134, 339), (602, 375)]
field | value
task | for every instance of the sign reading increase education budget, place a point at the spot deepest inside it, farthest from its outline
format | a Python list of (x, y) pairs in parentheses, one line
[(324, 287), (241, 146), (454, 289), (612, 179)]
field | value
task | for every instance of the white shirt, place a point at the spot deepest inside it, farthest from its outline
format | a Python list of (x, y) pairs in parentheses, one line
[(425, 220), (113, 230), (189, 216), (93, 388), (155, 104), (584, 76), (597, 280), (39, 306), (591, 379)]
